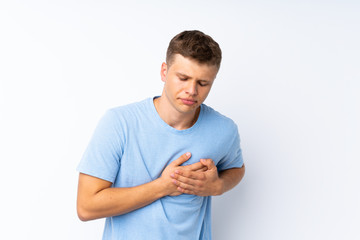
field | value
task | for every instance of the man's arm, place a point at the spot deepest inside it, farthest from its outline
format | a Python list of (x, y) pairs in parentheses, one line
[(208, 183), (97, 199), (231, 177)]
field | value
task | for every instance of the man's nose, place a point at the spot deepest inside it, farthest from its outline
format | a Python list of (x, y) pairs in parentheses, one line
[(191, 88)]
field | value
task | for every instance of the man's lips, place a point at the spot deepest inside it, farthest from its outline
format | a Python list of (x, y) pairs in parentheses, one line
[(187, 101)]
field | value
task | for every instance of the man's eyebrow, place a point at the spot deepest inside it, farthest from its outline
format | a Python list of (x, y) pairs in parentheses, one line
[(182, 74)]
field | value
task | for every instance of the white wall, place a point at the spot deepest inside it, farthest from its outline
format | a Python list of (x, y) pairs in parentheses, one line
[(289, 78)]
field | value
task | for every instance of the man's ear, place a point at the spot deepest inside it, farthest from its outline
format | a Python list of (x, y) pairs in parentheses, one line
[(163, 71)]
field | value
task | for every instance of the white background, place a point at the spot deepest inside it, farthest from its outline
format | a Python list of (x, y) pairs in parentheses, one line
[(289, 79)]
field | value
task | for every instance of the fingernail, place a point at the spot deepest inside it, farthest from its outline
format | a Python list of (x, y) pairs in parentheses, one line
[(188, 154)]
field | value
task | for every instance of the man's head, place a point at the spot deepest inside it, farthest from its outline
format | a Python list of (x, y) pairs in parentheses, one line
[(193, 60), (194, 45)]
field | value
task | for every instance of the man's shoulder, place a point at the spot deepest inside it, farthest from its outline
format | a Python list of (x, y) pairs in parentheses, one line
[(127, 113), (130, 109), (219, 126), (215, 117)]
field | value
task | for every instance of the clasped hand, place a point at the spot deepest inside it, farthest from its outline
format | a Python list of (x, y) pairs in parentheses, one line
[(199, 178)]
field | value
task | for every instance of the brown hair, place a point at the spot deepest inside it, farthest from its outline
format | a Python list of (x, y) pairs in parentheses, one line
[(195, 45)]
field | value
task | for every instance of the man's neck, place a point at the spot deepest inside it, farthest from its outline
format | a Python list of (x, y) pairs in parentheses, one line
[(174, 118)]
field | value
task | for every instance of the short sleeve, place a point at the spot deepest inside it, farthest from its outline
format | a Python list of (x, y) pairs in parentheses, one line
[(233, 157), (102, 156)]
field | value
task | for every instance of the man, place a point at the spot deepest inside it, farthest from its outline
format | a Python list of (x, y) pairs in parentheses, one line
[(151, 167)]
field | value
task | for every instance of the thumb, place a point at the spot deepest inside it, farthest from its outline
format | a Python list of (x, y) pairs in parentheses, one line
[(209, 163), (183, 158)]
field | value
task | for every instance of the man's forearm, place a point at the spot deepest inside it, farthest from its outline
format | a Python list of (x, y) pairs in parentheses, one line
[(116, 201), (229, 178), (97, 199)]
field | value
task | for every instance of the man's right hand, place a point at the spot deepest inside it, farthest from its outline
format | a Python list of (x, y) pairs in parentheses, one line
[(171, 188)]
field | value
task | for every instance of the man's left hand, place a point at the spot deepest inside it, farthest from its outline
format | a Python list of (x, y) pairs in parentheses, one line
[(201, 183)]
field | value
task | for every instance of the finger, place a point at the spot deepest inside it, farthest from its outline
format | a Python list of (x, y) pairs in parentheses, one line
[(185, 191), (183, 158), (184, 185), (194, 166), (189, 174), (209, 163), (204, 169), (194, 175), (185, 180)]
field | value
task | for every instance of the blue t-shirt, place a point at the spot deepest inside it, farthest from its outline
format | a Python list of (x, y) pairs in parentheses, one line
[(132, 145)]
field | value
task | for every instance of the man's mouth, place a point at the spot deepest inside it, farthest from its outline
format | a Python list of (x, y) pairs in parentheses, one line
[(187, 101)]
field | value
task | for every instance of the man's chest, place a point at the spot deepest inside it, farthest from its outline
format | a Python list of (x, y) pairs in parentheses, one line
[(146, 154)]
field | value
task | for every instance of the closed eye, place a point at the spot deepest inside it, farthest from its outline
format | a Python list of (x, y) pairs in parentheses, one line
[(203, 84)]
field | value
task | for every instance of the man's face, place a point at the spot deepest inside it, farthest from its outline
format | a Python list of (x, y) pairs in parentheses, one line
[(187, 83)]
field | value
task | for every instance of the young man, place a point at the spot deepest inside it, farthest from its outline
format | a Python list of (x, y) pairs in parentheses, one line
[(151, 167)]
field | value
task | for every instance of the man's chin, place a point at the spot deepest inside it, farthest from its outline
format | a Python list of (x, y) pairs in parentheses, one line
[(189, 109)]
